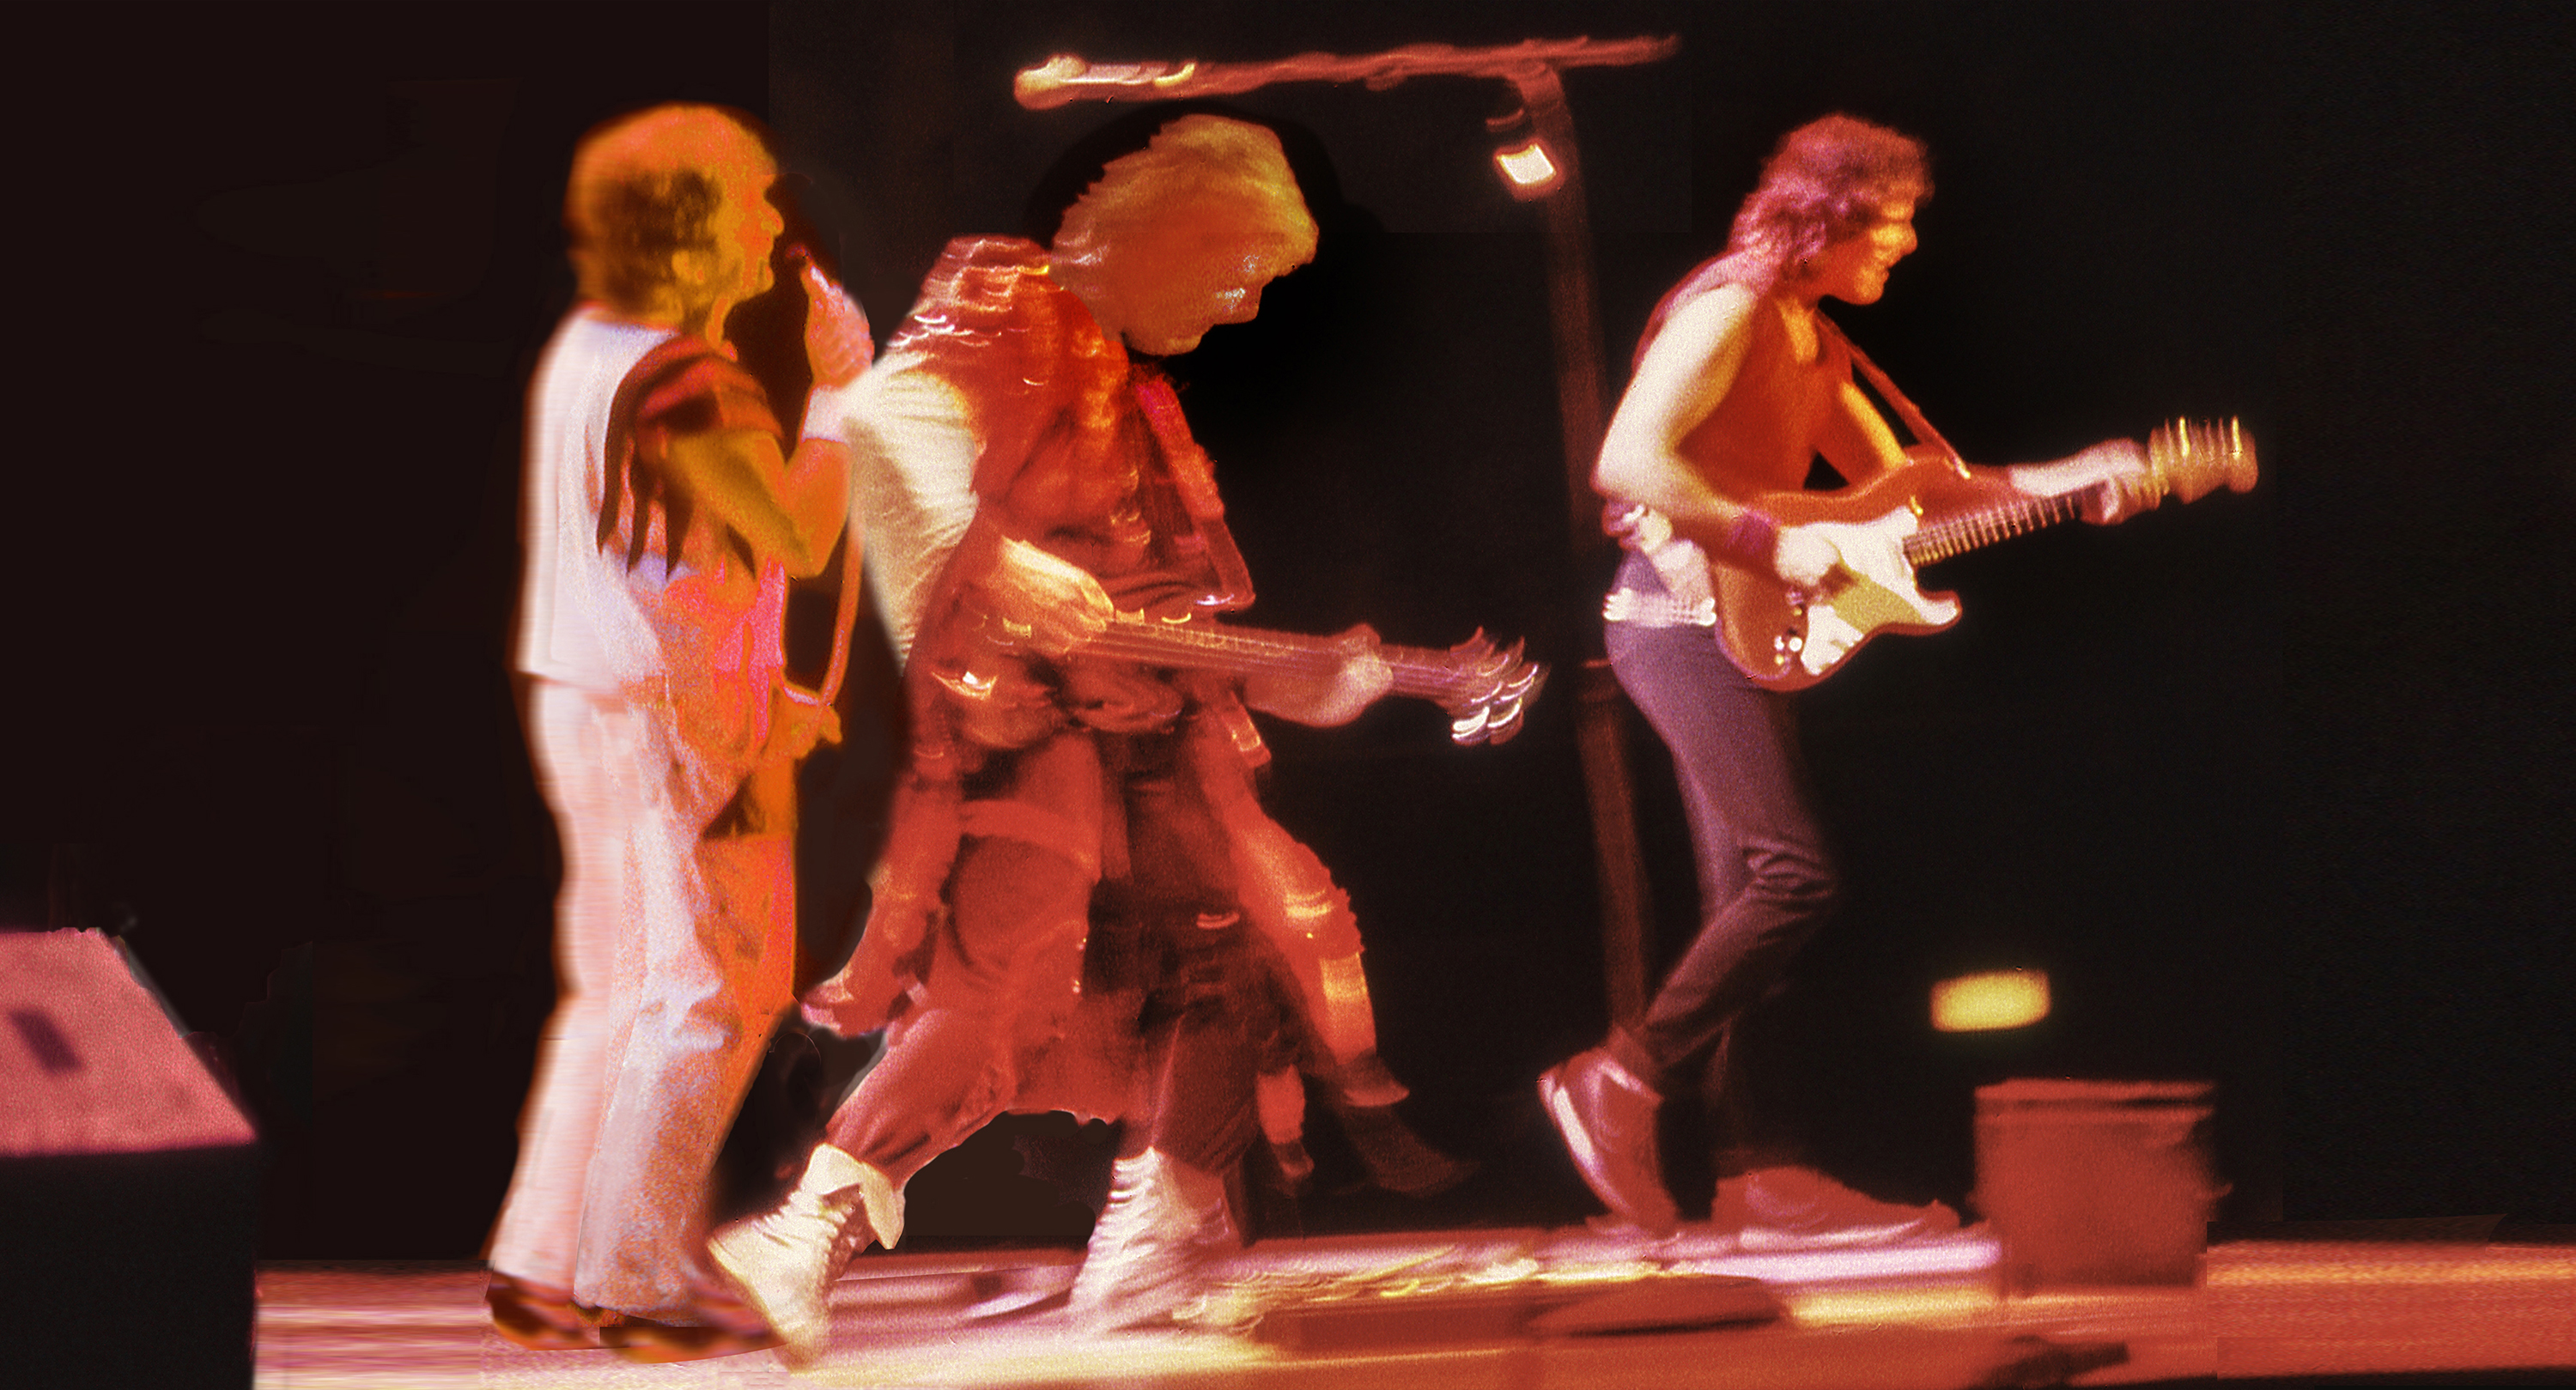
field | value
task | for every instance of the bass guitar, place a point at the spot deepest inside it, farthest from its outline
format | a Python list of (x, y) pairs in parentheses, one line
[(1007, 698), (1485, 689), (1787, 637)]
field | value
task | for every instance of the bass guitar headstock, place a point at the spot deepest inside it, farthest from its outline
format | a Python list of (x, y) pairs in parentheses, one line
[(1487, 689), (2187, 459)]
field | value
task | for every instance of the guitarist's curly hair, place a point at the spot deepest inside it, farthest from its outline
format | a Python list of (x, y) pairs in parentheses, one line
[(1826, 180)]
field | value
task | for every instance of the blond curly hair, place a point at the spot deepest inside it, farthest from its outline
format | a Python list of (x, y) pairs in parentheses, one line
[(1197, 158)]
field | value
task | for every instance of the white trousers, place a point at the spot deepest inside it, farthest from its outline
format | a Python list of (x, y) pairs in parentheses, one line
[(675, 958)]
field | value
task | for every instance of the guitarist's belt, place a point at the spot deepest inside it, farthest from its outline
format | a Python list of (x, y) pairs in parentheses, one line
[(1638, 608)]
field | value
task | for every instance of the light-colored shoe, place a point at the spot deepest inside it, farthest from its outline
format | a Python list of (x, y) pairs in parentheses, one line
[(1791, 1208), (785, 1260), (1606, 1115), (1165, 1222)]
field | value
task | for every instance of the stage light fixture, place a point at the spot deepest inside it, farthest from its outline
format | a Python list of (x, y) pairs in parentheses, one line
[(1528, 171)]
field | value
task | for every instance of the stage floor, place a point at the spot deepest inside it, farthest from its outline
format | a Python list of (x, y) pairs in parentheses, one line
[(1427, 1310)]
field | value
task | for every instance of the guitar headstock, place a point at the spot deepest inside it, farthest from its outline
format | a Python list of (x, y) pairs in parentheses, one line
[(2189, 458), (1488, 690)]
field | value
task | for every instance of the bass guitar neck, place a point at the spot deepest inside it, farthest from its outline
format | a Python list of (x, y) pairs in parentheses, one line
[(1486, 690)]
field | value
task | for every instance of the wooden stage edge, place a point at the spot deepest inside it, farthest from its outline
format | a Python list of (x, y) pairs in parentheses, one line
[(1429, 1310)]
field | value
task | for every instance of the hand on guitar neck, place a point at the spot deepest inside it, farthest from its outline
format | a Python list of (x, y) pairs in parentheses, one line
[(2105, 484), (1329, 698), (2113, 478)]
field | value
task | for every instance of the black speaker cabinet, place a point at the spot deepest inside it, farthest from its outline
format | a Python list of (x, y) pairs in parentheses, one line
[(129, 1182)]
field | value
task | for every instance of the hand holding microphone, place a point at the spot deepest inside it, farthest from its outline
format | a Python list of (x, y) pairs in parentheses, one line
[(837, 341)]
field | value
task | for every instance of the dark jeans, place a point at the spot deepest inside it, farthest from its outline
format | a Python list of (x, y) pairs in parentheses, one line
[(1766, 879), (1035, 937)]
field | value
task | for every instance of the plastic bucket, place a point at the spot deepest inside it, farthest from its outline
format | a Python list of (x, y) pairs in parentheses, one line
[(2093, 1183)]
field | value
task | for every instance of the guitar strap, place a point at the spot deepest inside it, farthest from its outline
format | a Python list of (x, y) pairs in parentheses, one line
[(1195, 479), (1915, 424)]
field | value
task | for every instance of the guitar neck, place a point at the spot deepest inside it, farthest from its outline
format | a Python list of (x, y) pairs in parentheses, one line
[(2185, 459), (1418, 671), (1966, 531)]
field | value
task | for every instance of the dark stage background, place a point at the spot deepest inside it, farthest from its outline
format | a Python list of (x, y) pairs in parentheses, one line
[(2274, 786)]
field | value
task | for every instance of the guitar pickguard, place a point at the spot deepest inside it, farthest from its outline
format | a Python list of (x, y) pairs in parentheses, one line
[(1876, 590), (1790, 638)]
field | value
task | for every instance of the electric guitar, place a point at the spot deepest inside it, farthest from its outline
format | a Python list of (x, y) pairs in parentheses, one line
[(1785, 637), (1485, 689), (1005, 701)]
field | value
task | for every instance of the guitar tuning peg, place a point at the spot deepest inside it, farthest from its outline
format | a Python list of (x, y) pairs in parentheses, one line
[(2238, 447)]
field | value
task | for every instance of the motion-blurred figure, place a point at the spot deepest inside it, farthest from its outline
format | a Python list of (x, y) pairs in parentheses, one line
[(1082, 906), (1739, 385), (665, 515)]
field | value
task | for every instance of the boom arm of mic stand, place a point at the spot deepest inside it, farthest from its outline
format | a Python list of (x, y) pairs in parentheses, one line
[(1064, 78)]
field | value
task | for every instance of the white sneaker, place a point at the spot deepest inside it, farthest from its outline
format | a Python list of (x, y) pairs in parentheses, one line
[(786, 1259), (1791, 1208), (1164, 1223)]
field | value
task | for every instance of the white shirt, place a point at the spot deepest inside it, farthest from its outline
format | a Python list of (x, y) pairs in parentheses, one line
[(578, 623), (912, 441)]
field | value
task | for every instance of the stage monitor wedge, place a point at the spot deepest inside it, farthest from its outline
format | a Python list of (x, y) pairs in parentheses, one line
[(129, 1181)]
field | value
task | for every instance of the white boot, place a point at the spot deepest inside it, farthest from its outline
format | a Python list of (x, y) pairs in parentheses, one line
[(785, 1260), (1164, 1223)]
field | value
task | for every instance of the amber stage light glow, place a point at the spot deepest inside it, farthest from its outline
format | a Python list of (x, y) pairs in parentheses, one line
[(1990, 1000)]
